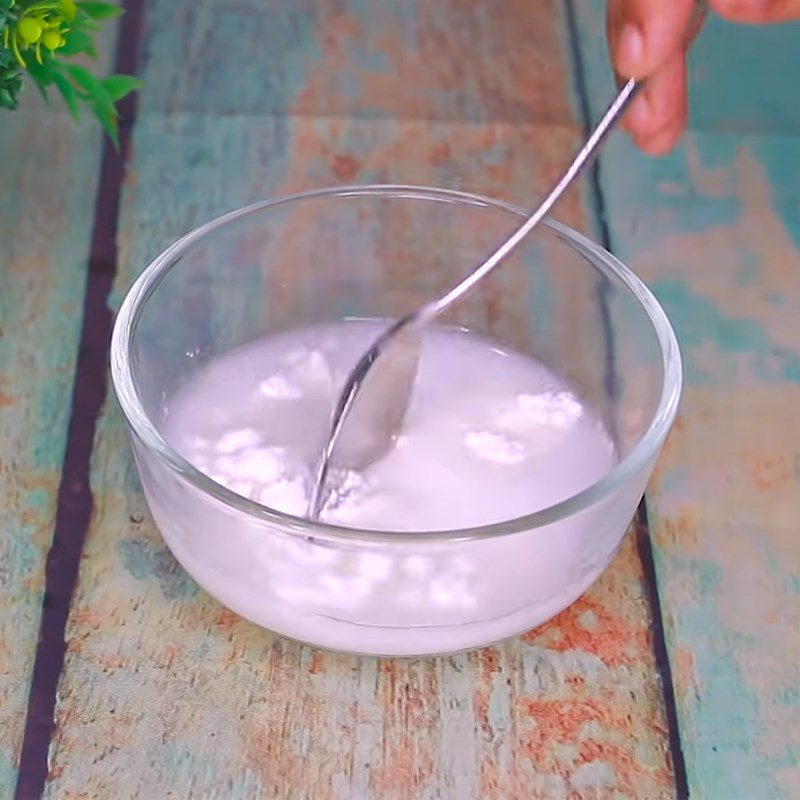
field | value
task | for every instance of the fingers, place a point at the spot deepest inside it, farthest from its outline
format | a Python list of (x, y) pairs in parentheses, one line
[(757, 12), (648, 38), (643, 34), (657, 117)]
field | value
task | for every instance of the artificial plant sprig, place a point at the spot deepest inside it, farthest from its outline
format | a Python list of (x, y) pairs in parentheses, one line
[(38, 37)]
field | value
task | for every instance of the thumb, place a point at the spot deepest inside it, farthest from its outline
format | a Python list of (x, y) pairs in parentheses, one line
[(643, 34), (757, 11)]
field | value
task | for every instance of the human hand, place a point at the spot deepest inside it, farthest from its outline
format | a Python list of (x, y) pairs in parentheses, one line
[(649, 38)]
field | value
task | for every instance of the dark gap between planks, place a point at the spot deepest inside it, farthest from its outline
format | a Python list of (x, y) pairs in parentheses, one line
[(74, 504), (644, 545)]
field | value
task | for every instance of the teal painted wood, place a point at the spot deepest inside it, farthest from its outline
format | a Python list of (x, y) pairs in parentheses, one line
[(48, 174), (714, 230), (164, 690)]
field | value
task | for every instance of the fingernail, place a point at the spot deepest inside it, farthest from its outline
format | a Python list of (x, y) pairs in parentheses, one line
[(630, 50)]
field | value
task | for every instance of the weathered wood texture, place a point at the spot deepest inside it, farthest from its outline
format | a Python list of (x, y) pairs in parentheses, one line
[(714, 229), (164, 691), (48, 176)]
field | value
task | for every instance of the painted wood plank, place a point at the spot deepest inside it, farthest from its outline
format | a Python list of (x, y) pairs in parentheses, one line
[(164, 691), (714, 229), (48, 175)]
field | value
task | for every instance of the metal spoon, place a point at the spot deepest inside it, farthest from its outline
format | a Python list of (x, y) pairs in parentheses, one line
[(372, 405)]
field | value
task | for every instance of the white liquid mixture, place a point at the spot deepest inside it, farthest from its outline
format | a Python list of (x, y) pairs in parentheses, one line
[(491, 435)]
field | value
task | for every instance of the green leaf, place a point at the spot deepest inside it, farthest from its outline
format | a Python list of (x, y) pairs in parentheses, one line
[(110, 126), (69, 94), (98, 10), (86, 24), (93, 87), (118, 86), (43, 73), (77, 41), (98, 97), (8, 98), (68, 9), (42, 91), (41, 5)]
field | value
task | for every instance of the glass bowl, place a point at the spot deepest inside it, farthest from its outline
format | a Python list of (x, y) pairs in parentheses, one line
[(378, 252)]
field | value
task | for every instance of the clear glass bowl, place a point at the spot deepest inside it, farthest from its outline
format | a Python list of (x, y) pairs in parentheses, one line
[(379, 251)]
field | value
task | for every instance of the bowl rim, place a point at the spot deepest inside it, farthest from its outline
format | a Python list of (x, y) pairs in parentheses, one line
[(142, 427)]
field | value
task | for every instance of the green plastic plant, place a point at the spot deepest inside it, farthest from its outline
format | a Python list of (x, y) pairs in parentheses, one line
[(39, 37)]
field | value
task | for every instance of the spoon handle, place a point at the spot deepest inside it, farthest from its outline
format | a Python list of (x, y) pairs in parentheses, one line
[(580, 160), (627, 91)]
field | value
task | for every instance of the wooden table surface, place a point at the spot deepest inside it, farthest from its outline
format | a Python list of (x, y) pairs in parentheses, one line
[(677, 673)]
